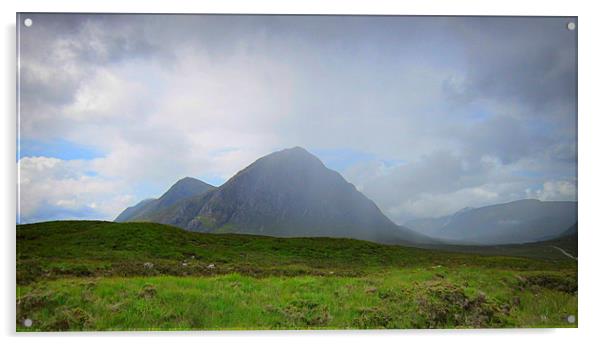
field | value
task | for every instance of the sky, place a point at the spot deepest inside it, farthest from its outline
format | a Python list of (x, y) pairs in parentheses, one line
[(424, 115)]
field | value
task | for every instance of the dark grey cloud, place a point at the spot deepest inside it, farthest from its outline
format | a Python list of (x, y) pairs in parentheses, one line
[(59, 52), (503, 137), (531, 61)]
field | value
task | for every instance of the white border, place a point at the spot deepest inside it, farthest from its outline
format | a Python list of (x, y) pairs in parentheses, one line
[(590, 172)]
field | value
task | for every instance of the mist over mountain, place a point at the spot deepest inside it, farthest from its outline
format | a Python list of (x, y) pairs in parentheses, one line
[(572, 231), (519, 221), (181, 190), (289, 193)]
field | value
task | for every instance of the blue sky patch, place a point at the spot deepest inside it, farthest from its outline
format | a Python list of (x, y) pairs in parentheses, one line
[(57, 148)]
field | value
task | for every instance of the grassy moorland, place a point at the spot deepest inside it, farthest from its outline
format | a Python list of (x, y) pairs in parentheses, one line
[(76, 275)]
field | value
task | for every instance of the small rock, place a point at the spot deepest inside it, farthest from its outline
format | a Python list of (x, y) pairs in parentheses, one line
[(184, 264), (148, 265), (211, 266)]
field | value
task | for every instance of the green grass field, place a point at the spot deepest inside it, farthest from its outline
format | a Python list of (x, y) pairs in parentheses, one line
[(76, 275)]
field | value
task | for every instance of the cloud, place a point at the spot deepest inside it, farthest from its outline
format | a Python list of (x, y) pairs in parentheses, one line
[(555, 191), (429, 114), (51, 188), (444, 182), (526, 62)]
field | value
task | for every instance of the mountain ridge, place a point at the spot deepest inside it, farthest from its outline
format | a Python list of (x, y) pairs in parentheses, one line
[(288, 193)]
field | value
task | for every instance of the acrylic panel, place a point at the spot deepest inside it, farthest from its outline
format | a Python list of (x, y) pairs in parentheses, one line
[(270, 172)]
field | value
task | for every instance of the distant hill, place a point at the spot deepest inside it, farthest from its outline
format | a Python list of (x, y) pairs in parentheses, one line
[(289, 193), (181, 190), (521, 221), (554, 249)]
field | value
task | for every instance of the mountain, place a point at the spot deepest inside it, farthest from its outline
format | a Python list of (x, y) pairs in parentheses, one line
[(288, 193), (131, 212), (181, 190), (519, 221)]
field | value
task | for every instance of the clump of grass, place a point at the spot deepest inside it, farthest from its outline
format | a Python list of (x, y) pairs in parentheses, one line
[(374, 317), (303, 313), (148, 291), (442, 305), (35, 300), (53, 314), (68, 319), (433, 304), (552, 281)]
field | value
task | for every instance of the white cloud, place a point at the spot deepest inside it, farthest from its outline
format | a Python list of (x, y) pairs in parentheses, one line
[(555, 191), (65, 188), (104, 96)]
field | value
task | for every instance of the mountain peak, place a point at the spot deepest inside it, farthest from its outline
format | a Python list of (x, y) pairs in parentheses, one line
[(299, 150), (295, 157), (187, 179), (183, 189), (285, 163), (296, 151)]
